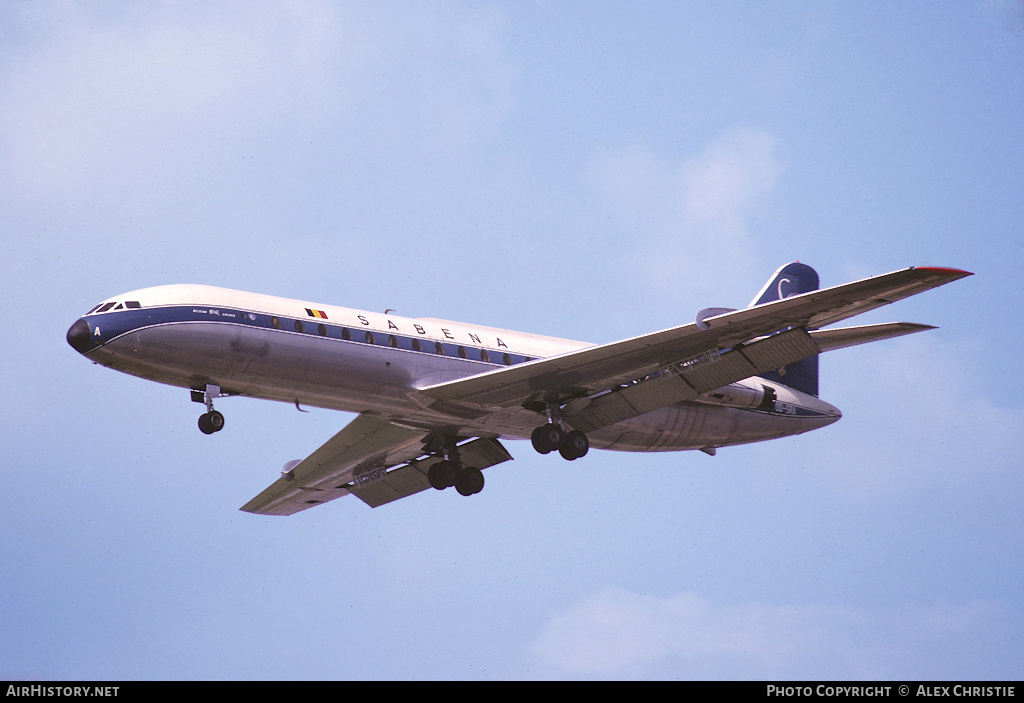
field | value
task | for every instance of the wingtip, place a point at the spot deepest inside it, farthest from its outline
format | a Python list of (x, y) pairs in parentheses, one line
[(946, 271)]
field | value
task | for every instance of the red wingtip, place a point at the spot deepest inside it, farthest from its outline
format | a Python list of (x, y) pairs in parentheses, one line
[(944, 270)]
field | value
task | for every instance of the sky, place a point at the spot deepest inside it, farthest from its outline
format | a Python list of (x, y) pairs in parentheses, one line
[(587, 170)]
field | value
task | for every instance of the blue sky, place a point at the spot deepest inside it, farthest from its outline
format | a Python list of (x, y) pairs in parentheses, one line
[(586, 170)]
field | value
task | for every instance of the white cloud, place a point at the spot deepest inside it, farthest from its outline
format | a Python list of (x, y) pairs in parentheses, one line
[(618, 632), (100, 101), (101, 98), (691, 222)]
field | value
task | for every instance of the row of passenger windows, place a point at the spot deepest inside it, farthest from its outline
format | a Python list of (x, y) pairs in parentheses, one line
[(368, 337), (404, 343)]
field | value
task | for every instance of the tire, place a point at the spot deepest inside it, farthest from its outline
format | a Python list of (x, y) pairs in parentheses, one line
[(546, 438), (436, 474), (575, 445), (442, 474), (205, 426), (470, 481), (216, 420)]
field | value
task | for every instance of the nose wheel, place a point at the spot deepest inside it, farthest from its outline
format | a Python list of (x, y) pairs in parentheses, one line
[(211, 422)]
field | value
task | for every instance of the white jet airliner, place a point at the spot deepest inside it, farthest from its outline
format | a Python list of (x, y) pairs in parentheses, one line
[(434, 397)]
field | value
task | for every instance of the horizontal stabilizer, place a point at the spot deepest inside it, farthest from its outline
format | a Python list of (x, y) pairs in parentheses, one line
[(827, 340)]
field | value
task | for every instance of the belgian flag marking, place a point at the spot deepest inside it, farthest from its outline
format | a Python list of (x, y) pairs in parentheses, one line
[(320, 314)]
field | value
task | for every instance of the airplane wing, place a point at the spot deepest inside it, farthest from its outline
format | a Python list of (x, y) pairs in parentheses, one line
[(360, 460), (380, 461), (699, 357)]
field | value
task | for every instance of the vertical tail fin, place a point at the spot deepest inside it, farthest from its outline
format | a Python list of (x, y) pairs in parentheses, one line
[(792, 279)]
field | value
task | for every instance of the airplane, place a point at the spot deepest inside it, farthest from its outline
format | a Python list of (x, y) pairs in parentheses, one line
[(435, 399)]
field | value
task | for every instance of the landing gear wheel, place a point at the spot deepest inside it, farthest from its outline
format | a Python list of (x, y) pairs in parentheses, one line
[(547, 438), (211, 422), (442, 474), (574, 446), (470, 481)]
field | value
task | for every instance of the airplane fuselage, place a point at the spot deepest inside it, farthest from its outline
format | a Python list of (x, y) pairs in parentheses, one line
[(323, 356)]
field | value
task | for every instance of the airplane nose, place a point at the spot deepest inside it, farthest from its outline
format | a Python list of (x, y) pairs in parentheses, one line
[(80, 337)]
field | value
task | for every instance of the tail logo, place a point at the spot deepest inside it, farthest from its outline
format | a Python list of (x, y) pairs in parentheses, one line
[(781, 281)]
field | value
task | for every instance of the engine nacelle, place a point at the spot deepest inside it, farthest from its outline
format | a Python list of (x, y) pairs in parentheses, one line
[(740, 396)]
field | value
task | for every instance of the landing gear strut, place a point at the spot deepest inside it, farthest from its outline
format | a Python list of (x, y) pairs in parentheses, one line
[(450, 472), (212, 421)]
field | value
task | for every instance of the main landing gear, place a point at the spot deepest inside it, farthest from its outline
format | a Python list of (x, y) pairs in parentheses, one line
[(212, 421), (571, 445), (450, 472)]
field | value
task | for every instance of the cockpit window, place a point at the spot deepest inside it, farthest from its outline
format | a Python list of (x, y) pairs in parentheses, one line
[(134, 304), (105, 307)]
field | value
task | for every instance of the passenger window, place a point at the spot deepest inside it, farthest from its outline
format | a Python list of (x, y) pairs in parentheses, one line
[(461, 352), (299, 327), (507, 359), (321, 330), (345, 334), (275, 323), (438, 348), (392, 342), (484, 356), (369, 337), (416, 346)]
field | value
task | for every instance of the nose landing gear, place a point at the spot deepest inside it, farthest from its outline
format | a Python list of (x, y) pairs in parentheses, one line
[(212, 421)]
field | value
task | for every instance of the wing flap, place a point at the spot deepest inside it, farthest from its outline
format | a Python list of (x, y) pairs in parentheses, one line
[(678, 383), (397, 483), (412, 478)]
